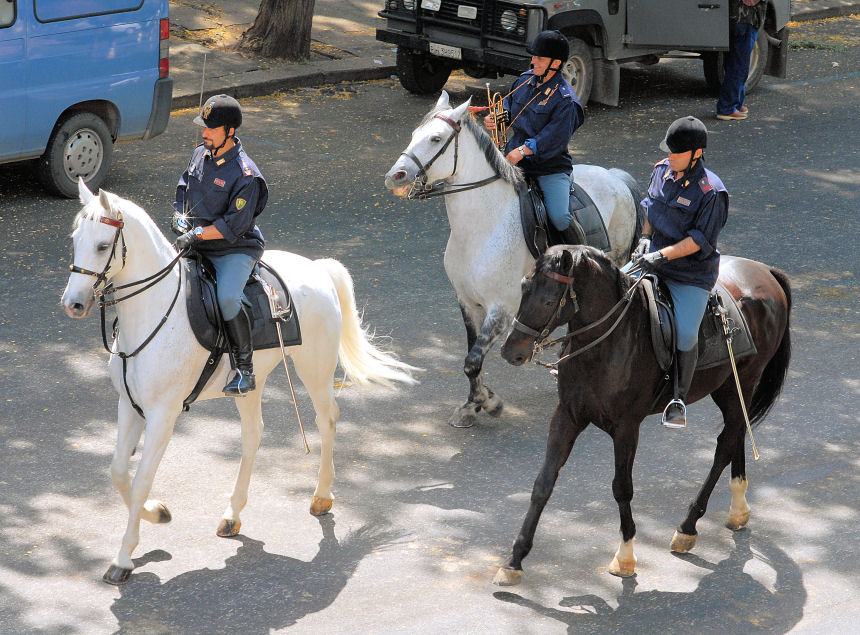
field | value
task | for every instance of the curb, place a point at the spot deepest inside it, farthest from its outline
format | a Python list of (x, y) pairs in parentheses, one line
[(828, 12), (257, 87)]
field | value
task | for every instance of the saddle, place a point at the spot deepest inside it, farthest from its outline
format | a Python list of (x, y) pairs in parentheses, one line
[(205, 318), (586, 228), (712, 339)]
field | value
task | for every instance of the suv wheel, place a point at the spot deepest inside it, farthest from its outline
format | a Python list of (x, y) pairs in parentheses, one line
[(579, 69), (420, 73), (81, 146), (715, 73)]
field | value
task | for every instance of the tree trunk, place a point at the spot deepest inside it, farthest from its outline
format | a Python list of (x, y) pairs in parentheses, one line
[(282, 30)]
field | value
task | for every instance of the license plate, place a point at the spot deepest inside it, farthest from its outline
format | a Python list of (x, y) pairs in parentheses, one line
[(441, 50), (431, 5)]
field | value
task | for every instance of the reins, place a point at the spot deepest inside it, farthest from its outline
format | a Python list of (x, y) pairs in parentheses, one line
[(110, 290), (540, 336), (419, 188)]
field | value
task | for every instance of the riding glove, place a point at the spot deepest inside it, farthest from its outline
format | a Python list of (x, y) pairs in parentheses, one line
[(642, 247), (187, 240), (650, 262)]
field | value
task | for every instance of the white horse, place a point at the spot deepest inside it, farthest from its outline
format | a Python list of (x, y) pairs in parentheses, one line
[(167, 368), (486, 256)]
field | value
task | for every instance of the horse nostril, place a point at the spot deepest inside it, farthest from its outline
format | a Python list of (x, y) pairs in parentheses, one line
[(77, 307), (399, 176)]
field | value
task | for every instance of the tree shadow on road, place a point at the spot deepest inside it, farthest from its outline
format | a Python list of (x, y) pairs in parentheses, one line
[(728, 598), (255, 592)]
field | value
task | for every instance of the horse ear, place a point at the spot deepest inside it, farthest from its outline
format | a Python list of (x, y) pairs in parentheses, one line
[(566, 261), (104, 199), (459, 110), (444, 101), (84, 193)]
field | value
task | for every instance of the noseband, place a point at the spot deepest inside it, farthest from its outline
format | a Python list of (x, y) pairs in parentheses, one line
[(419, 188)]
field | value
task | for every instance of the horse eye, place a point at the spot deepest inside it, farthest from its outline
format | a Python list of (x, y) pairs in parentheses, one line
[(435, 138), (102, 247)]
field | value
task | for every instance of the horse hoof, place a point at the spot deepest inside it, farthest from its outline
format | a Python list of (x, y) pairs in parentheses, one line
[(738, 521), (116, 575), (682, 543), (463, 418), (508, 577), (622, 568), (320, 506), (494, 406), (157, 512), (163, 514), (228, 528)]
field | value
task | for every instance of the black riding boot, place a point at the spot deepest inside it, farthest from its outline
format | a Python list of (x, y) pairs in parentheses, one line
[(239, 334), (675, 414)]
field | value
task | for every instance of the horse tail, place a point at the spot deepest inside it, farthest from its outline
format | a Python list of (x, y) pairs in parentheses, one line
[(361, 360), (636, 194), (772, 379)]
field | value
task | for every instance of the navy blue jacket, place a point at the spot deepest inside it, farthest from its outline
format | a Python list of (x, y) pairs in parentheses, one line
[(544, 123), (696, 206), (228, 192)]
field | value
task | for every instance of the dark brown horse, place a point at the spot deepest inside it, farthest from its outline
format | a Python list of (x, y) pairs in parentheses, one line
[(614, 383)]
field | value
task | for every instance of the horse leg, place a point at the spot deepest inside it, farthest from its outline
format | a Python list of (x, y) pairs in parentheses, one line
[(159, 428), (563, 432), (728, 441), (495, 323), (129, 428), (316, 370), (251, 412), (625, 443), (739, 512)]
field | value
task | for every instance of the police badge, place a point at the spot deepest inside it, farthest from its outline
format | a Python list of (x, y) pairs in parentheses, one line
[(207, 110)]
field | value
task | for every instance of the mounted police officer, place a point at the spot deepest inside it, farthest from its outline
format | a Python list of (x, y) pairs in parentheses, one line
[(542, 112), (221, 193), (686, 208)]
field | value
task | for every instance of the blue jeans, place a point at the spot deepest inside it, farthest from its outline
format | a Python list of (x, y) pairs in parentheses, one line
[(556, 194), (742, 39), (231, 271), (690, 304)]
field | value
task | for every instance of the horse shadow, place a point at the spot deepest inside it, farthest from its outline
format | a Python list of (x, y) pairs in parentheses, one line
[(727, 599), (255, 592)]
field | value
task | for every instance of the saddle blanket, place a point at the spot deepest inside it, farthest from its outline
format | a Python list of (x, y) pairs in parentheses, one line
[(587, 227), (712, 341), (205, 318)]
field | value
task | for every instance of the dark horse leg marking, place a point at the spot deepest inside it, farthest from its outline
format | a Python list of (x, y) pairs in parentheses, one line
[(479, 344), (563, 432)]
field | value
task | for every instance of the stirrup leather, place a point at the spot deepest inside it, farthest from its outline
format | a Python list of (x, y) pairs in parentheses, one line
[(673, 424)]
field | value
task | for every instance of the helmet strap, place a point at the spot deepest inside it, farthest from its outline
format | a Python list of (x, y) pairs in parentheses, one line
[(227, 137), (549, 69)]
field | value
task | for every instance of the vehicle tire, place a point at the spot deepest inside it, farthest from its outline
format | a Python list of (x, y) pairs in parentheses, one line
[(579, 69), (713, 61), (81, 145), (420, 73)]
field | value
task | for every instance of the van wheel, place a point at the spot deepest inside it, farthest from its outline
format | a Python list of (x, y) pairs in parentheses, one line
[(579, 69), (712, 62), (81, 146), (420, 73)]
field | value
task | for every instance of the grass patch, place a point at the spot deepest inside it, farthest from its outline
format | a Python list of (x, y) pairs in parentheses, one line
[(797, 45)]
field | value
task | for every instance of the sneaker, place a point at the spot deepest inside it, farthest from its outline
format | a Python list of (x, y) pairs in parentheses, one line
[(735, 116)]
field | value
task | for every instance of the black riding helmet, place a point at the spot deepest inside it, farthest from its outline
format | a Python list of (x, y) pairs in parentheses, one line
[(550, 44), (220, 110), (686, 133)]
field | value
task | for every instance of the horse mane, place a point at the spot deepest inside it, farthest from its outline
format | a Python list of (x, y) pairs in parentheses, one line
[(507, 171), (584, 255), (128, 209)]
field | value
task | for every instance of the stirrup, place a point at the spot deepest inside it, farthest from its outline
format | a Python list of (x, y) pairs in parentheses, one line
[(241, 384), (675, 424)]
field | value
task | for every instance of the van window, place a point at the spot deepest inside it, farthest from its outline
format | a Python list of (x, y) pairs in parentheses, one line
[(55, 10), (7, 12)]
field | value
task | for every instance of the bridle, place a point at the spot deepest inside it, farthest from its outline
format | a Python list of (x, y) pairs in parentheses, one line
[(109, 290), (540, 336), (419, 189)]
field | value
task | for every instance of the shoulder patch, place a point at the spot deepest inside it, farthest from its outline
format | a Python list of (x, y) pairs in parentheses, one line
[(240, 203), (705, 184), (246, 170)]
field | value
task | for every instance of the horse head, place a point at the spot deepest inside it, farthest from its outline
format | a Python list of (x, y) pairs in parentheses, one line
[(432, 153), (98, 250)]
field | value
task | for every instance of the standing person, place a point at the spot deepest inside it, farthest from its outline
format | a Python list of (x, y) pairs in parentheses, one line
[(221, 193), (543, 112), (686, 207), (746, 17)]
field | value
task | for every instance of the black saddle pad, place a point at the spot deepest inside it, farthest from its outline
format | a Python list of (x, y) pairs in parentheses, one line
[(205, 319), (712, 342), (586, 228)]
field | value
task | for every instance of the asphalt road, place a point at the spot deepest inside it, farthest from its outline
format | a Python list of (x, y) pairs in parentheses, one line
[(424, 513)]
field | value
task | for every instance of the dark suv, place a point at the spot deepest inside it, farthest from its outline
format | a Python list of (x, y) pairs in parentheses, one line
[(487, 38)]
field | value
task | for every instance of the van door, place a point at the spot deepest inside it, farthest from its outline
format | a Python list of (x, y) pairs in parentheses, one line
[(13, 98), (690, 25)]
